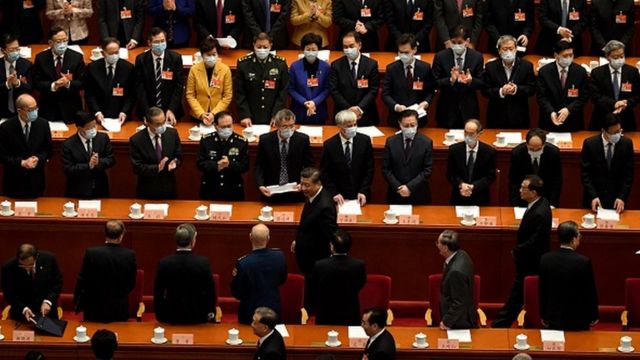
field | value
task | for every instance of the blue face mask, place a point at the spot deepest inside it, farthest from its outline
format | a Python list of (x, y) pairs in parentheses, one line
[(32, 115), (159, 48), (60, 48), (12, 56), (225, 133)]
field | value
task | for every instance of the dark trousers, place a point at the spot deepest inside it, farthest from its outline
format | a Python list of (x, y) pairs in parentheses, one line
[(510, 310)]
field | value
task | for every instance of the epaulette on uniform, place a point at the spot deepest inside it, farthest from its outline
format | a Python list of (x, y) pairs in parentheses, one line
[(239, 137), (241, 257), (244, 58), (207, 135), (282, 58)]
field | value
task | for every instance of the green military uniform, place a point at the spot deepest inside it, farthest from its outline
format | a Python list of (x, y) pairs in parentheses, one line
[(260, 87), (226, 184)]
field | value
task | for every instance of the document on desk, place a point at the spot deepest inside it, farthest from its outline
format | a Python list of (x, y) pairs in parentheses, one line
[(460, 210), (518, 212), (401, 209), (421, 112), (58, 126), (608, 214), (90, 204), (350, 207), (280, 189), (552, 335), (511, 138), (163, 207), (25, 52), (282, 329), (460, 335), (311, 131), (259, 129), (27, 204), (222, 208), (187, 60), (123, 53), (370, 131), (206, 129), (112, 125)]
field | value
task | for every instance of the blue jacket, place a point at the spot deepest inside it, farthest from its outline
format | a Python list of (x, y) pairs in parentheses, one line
[(300, 92), (181, 28)]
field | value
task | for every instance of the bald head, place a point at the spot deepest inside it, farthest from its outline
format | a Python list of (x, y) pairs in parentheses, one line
[(25, 101), (259, 236)]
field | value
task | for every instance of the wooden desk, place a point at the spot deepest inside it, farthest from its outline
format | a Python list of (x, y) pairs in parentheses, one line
[(306, 342), (407, 253)]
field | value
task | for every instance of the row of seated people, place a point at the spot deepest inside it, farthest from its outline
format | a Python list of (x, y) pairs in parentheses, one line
[(263, 84), (244, 19)]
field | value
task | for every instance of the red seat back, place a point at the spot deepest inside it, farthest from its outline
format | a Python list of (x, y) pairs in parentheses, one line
[(632, 301), (216, 284), (434, 285), (135, 296), (291, 299), (376, 292), (531, 302)]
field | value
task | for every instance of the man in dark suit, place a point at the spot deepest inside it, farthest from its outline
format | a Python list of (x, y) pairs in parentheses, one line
[(258, 275), (471, 167), (458, 73), (448, 15), (347, 164), (611, 20), (515, 18), (31, 284), (110, 84), (104, 344), (336, 283), (510, 82), (270, 343), (364, 17), (607, 167), (568, 294), (123, 20), (534, 240), (57, 75), (156, 152), (23, 20), (173, 16), (409, 17), (282, 154), (407, 163), (381, 345), (86, 156), (25, 148), (615, 88), (219, 19), (354, 81), (561, 20), (184, 292), (316, 228), (15, 80), (273, 21), (408, 81), (535, 157), (563, 88), (456, 290), (159, 78), (107, 276)]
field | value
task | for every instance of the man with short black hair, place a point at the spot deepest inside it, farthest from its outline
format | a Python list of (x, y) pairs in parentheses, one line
[(184, 292), (15, 75), (270, 343), (381, 345), (104, 344)]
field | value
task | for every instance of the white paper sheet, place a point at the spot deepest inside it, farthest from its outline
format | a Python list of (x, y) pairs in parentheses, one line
[(279, 189), (552, 335), (58, 126), (206, 129), (521, 49), (421, 112), (460, 335), (638, 252), (350, 207), (518, 212), (608, 214), (603, 61), (90, 204), (561, 136), (260, 129), (357, 332), (25, 52), (33, 204), (475, 210), (511, 137), (123, 53), (112, 125), (76, 48), (187, 60), (282, 329), (228, 41), (401, 209), (370, 131), (163, 207), (458, 133), (228, 208), (311, 131)]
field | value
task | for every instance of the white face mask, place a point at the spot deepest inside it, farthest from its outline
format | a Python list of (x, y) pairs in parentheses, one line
[(406, 58), (565, 61), (286, 133), (210, 61), (261, 54), (351, 53), (616, 63), (508, 56), (614, 138), (91, 133), (471, 141), (409, 132), (535, 154), (225, 133), (458, 49), (112, 59), (350, 132), (310, 55)]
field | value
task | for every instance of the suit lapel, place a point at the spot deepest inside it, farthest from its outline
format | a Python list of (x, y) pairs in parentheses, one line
[(80, 147)]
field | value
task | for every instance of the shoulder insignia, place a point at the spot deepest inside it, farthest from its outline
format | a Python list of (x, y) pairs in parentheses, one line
[(281, 58), (207, 135), (242, 257), (244, 58)]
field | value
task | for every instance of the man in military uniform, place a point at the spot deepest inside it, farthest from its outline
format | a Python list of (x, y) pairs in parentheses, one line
[(223, 158), (260, 83)]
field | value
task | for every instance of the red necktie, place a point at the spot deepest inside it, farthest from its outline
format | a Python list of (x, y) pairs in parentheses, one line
[(220, 9), (460, 5)]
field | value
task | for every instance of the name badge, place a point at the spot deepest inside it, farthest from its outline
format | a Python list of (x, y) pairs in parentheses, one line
[(23, 336), (283, 216), (574, 15), (230, 19), (167, 75), (365, 12), (347, 218), (467, 12), (312, 82), (270, 84), (418, 85), (117, 91), (88, 213), (573, 92), (486, 221), (215, 83), (621, 18), (519, 16), (125, 13), (276, 8), (363, 83), (449, 344), (27, 4), (182, 339), (419, 15), (626, 87), (409, 219), (553, 346), (220, 216)]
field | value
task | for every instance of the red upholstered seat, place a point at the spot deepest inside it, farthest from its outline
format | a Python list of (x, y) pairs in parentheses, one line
[(631, 315), (291, 300), (530, 316), (377, 293), (433, 316)]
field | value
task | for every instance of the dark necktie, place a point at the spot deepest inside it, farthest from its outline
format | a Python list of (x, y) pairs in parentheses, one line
[(410, 7), (409, 77), (11, 104), (267, 21), (616, 86), (470, 162), (536, 166), (158, 148), (220, 10), (159, 82), (459, 2), (89, 147), (347, 153), (170, 27), (58, 66), (26, 132), (407, 148), (354, 74), (284, 174), (609, 154), (459, 62), (563, 77), (110, 75)]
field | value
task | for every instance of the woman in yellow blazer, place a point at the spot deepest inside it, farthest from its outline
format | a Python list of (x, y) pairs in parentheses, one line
[(310, 16), (209, 85)]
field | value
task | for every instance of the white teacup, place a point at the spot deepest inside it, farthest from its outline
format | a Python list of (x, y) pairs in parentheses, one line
[(136, 209), (69, 208), (266, 212), (593, 64), (390, 215), (468, 218), (521, 340), (81, 332), (625, 342), (5, 206), (551, 139), (421, 339), (158, 334), (96, 53), (201, 211), (588, 219), (194, 132), (638, 65), (501, 139), (332, 337), (450, 137), (233, 335), (248, 133)]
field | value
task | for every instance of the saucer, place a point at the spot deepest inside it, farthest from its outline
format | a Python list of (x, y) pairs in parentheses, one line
[(449, 143), (73, 214), (627, 350), (206, 217), (1, 337), (261, 218), (592, 226), (159, 342), (471, 223), (415, 345), (197, 138), (391, 222), (229, 342), (251, 139), (136, 217), (7, 213), (515, 346), (496, 144), (84, 340), (335, 344)]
